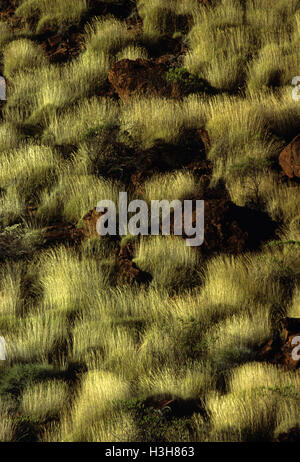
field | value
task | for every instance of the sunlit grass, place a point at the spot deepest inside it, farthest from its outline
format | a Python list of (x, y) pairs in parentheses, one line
[(74, 196), (44, 399), (260, 375), (98, 393), (179, 185), (22, 55), (192, 381), (107, 35), (10, 288), (67, 289), (168, 119), (30, 169), (161, 18), (132, 52), (234, 339), (53, 13), (193, 331), (7, 426), (75, 124), (40, 337), (242, 417)]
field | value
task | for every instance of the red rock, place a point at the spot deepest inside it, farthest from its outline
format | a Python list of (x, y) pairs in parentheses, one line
[(68, 232), (90, 221), (280, 351), (62, 232), (229, 228), (127, 269), (289, 158), (142, 77), (291, 436)]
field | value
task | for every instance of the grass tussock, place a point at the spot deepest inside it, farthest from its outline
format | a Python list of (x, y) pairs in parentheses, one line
[(86, 352), (52, 14), (22, 55)]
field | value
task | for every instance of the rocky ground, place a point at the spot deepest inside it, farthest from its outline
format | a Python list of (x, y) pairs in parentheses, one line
[(229, 228)]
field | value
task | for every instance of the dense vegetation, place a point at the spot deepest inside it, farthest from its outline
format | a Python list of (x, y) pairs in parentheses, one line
[(89, 356)]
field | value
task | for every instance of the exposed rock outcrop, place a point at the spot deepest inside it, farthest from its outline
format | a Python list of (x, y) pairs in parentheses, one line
[(61, 232), (139, 77), (284, 351), (289, 158), (152, 78), (229, 228)]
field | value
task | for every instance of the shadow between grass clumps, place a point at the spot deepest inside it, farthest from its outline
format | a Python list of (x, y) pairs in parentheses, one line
[(160, 417), (13, 381)]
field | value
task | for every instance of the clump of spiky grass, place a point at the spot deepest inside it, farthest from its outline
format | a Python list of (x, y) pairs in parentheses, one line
[(54, 14), (168, 260), (87, 74), (226, 23), (272, 22), (56, 88), (132, 52), (275, 66), (227, 13), (45, 399), (119, 352), (294, 307), (250, 139), (65, 86), (165, 18), (121, 428), (112, 343), (279, 111), (287, 416), (77, 123), (30, 169), (233, 340), (24, 96), (160, 348), (168, 119), (108, 36), (225, 281), (281, 199), (255, 382), (178, 185), (12, 206), (35, 98), (99, 392), (7, 427), (74, 196), (242, 417), (224, 69), (123, 303), (41, 336), (74, 289), (117, 344), (22, 55), (260, 375), (9, 137), (192, 381), (10, 288), (237, 113), (250, 280)]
